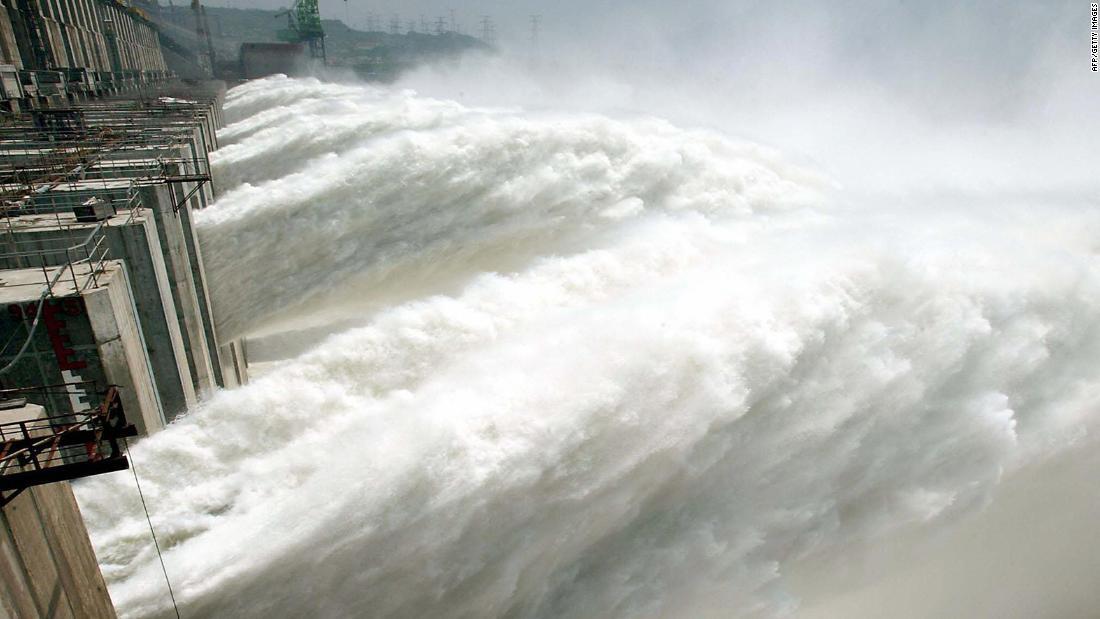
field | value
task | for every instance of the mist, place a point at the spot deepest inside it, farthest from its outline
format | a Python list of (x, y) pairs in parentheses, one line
[(705, 309), (978, 96), (975, 97)]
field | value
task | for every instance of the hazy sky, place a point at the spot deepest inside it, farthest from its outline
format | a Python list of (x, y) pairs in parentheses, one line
[(980, 19), (793, 72), (998, 41)]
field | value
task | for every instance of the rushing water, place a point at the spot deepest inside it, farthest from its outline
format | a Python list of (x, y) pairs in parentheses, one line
[(584, 366)]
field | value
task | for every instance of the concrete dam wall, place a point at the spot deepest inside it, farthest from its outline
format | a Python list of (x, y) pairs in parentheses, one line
[(105, 321), (95, 35)]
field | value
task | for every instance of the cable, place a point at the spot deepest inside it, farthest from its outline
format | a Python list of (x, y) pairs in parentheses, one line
[(148, 519), (30, 333), (47, 293)]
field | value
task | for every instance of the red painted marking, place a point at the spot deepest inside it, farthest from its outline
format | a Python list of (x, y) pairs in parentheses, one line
[(55, 330)]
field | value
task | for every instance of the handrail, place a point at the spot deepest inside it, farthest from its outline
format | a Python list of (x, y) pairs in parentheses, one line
[(93, 271), (94, 239), (34, 326), (63, 447)]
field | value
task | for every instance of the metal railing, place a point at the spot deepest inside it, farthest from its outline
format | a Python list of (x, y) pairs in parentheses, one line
[(84, 262), (116, 194), (61, 447), (149, 141)]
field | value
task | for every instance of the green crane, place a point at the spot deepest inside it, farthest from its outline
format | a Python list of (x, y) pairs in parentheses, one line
[(304, 26)]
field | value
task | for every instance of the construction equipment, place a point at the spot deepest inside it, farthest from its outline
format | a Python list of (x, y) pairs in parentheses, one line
[(304, 26), (202, 33)]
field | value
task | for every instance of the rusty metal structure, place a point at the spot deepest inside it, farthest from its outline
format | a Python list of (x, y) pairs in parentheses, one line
[(59, 158), (60, 447), (106, 327), (78, 185)]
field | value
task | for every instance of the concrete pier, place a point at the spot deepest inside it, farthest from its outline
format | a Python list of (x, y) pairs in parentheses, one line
[(87, 332), (155, 164), (105, 316), (132, 236), (137, 244), (48, 568)]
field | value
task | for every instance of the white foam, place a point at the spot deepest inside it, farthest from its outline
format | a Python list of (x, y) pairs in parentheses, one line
[(654, 367)]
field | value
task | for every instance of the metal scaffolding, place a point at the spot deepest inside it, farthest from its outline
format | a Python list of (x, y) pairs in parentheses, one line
[(60, 447), (68, 174), (146, 142), (304, 26)]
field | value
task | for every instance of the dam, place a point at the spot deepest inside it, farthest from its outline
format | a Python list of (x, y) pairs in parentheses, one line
[(106, 316), (540, 338)]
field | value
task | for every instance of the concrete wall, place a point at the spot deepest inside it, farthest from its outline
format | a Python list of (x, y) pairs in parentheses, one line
[(167, 277), (138, 245), (9, 48), (90, 336), (263, 59), (177, 259), (234, 363), (122, 348), (198, 277), (133, 239), (48, 568), (100, 35)]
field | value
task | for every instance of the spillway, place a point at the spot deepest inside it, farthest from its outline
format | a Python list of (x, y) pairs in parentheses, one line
[(577, 365)]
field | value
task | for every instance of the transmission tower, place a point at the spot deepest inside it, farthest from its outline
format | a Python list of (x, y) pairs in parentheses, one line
[(488, 31), (440, 25), (395, 25), (536, 25)]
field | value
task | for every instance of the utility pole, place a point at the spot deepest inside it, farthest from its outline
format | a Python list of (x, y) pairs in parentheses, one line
[(440, 25), (454, 27), (424, 24)]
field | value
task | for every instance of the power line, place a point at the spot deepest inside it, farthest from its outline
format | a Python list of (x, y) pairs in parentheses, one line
[(149, 519)]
